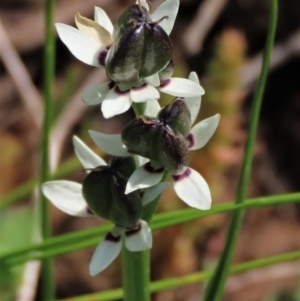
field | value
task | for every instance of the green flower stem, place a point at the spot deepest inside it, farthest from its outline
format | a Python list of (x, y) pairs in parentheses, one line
[(48, 287), (136, 265), (172, 283), (136, 275), (139, 108), (215, 287), (87, 238), (149, 209)]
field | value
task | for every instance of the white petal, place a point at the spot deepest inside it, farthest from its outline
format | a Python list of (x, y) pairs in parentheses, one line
[(181, 87), (192, 189), (86, 156), (116, 102), (82, 47), (193, 103), (151, 193), (143, 177), (143, 3), (105, 253), (101, 17), (139, 239), (152, 80), (111, 144), (202, 132), (95, 94), (152, 108), (168, 8), (66, 196), (140, 160), (144, 93)]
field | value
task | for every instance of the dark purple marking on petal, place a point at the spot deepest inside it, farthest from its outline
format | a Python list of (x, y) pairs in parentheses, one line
[(89, 211), (165, 83), (112, 238), (119, 91), (134, 231), (151, 169), (111, 85), (102, 57), (183, 175), (191, 140), (143, 86)]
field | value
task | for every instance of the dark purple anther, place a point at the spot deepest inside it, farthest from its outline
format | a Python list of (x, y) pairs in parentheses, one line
[(165, 83), (134, 231), (191, 140), (112, 238), (151, 169), (111, 85), (102, 57), (183, 175)]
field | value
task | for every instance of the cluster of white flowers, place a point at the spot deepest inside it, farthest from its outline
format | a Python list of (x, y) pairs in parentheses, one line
[(99, 43)]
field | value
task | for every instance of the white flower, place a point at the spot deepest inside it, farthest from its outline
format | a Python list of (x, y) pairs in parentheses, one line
[(189, 184), (90, 41), (67, 196), (116, 98)]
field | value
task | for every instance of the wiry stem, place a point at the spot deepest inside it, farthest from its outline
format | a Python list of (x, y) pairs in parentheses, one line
[(216, 286)]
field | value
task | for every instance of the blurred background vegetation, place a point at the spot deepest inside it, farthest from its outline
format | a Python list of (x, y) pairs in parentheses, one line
[(222, 41)]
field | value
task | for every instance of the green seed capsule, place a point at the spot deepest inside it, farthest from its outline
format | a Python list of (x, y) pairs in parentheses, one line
[(173, 151), (156, 139), (104, 188), (177, 115), (140, 136), (140, 47)]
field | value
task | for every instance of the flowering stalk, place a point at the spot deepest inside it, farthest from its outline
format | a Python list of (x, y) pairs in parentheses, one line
[(136, 53), (136, 275)]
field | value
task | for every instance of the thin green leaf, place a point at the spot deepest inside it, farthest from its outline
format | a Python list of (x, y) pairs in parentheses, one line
[(87, 238), (172, 283), (45, 220), (216, 286)]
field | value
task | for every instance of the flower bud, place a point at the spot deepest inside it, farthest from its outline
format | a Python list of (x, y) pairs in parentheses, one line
[(103, 190), (177, 115), (155, 139), (140, 48)]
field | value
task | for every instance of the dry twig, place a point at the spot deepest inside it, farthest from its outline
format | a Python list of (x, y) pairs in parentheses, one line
[(28, 289), (21, 78), (281, 53), (205, 18)]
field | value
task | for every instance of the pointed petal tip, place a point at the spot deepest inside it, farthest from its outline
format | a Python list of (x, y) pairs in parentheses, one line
[(181, 87), (130, 188), (105, 253), (191, 188), (203, 131)]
